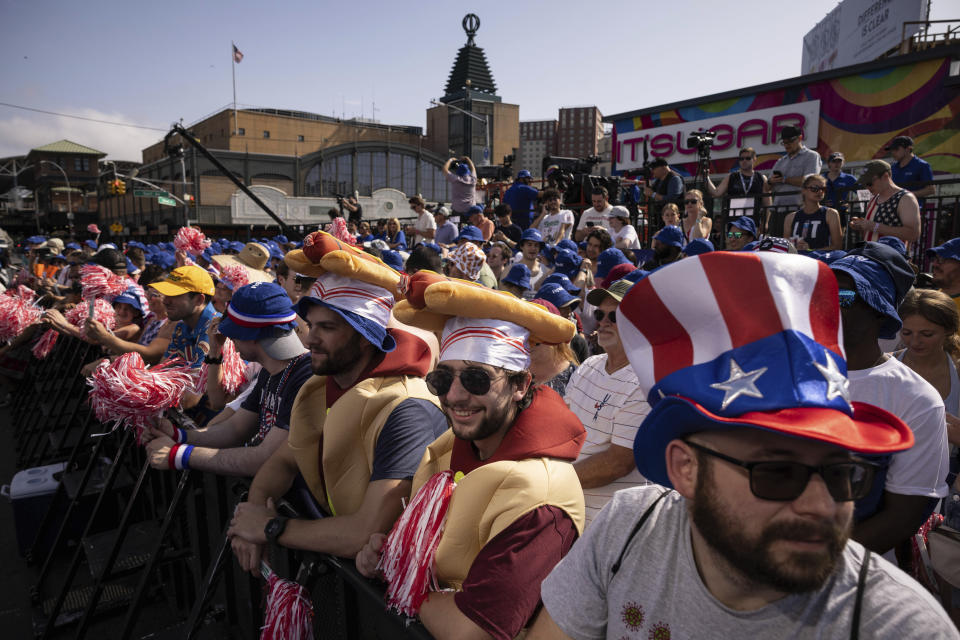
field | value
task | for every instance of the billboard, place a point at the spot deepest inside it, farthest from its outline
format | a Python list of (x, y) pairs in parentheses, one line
[(859, 31), (858, 114), (759, 129)]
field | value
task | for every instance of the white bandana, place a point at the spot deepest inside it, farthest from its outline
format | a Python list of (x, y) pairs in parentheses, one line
[(495, 342)]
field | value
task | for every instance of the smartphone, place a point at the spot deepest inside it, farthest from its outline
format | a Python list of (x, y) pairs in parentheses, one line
[(589, 224), (777, 173)]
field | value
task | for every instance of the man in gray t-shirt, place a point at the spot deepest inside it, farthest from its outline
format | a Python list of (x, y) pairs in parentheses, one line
[(757, 435), (788, 172), (463, 184)]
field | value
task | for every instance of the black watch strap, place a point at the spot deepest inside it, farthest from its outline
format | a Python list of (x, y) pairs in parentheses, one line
[(274, 528), (210, 360)]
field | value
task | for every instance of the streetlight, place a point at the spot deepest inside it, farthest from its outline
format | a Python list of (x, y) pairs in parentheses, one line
[(69, 205), (486, 127)]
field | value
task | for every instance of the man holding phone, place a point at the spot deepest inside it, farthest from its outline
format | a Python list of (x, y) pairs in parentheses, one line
[(786, 180)]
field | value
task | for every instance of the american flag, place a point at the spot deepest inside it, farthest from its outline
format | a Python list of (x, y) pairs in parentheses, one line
[(237, 54)]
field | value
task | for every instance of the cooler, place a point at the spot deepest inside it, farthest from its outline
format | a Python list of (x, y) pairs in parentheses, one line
[(31, 491)]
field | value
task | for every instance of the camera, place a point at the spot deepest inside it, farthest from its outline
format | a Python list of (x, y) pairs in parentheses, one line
[(702, 140), (340, 198)]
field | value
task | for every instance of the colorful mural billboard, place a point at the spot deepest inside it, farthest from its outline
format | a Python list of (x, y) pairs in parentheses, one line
[(859, 115)]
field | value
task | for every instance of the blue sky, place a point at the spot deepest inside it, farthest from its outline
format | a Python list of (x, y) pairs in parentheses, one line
[(152, 64)]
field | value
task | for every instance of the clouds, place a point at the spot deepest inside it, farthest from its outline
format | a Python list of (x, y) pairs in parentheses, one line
[(21, 131)]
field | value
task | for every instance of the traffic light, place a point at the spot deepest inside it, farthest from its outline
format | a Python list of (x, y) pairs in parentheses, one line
[(121, 187), (112, 187)]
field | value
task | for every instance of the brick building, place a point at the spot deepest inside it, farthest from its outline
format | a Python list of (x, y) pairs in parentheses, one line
[(538, 138), (579, 131)]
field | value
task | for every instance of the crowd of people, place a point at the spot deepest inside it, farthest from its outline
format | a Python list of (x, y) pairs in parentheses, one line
[(599, 438)]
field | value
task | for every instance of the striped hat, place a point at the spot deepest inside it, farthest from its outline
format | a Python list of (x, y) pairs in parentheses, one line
[(727, 340), (366, 307)]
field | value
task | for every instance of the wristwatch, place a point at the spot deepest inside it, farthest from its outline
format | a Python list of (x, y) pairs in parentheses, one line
[(208, 359), (274, 528)]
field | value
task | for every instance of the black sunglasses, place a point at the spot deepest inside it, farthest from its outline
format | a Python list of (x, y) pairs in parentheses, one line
[(690, 201), (784, 481), (599, 315), (302, 281), (815, 189), (474, 380), (745, 158)]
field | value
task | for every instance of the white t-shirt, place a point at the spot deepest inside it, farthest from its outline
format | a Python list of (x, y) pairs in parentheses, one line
[(922, 469), (551, 224), (423, 223), (598, 218), (628, 234), (611, 407)]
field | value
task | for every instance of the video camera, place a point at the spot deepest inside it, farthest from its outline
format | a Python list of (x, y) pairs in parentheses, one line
[(571, 176), (702, 140), (495, 172)]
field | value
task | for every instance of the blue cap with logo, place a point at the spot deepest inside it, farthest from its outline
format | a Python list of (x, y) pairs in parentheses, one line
[(519, 275), (671, 235)]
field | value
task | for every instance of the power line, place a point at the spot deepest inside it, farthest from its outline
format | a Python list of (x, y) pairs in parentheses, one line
[(68, 115)]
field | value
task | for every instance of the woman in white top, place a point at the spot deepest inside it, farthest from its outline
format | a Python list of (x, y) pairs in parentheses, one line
[(930, 323), (624, 235), (696, 222)]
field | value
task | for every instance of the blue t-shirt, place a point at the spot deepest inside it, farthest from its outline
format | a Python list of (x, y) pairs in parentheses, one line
[(410, 427), (191, 344), (916, 175), (838, 190), (521, 198), (400, 239), (446, 234)]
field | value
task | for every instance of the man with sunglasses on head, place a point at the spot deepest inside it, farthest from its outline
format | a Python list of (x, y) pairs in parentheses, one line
[(814, 227), (893, 211), (788, 172), (604, 395), (873, 280), (517, 506), (756, 445), (358, 427)]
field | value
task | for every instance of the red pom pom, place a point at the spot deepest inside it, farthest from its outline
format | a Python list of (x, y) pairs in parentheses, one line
[(127, 393), (99, 282), (234, 275), (16, 314), (233, 371), (289, 611), (407, 560), (191, 240)]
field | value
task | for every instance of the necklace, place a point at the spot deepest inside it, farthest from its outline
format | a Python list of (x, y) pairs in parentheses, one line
[(747, 186), (268, 416)]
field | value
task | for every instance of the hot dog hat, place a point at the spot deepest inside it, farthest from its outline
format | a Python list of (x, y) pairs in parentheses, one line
[(476, 323), (711, 358)]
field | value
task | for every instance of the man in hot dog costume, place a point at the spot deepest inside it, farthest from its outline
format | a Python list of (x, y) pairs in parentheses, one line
[(358, 427), (497, 494)]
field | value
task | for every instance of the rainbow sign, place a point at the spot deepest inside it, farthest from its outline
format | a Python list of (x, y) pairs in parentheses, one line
[(859, 115)]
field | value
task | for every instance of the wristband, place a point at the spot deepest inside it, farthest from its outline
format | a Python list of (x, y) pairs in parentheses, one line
[(208, 360), (179, 435), (179, 457)]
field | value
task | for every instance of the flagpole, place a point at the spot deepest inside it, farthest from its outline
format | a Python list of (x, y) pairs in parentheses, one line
[(233, 67)]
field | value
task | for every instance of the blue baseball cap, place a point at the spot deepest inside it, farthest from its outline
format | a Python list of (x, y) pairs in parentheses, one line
[(137, 244), (36, 239), (281, 239), (608, 259), (471, 233), (131, 268), (236, 246), (519, 275), (828, 257), (262, 311), (392, 259), (567, 243), (131, 298), (697, 246), (433, 246), (474, 209), (90, 243), (882, 278), (531, 234), (671, 235), (523, 173), (744, 223), (895, 242), (643, 256), (563, 281), (558, 296), (636, 275), (72, 246), (949, 250), (567, 262)]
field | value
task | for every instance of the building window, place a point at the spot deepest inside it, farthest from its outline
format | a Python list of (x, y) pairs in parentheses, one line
[(266, 134), (299, 138), (241, 131)]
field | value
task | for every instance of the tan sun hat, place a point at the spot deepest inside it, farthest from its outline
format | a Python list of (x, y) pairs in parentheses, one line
[(253, 258)]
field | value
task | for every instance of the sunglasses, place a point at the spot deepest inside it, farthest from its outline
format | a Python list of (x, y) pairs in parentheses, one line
[(789, 140), (746, 158), (474, 380), (783, 481), (691, 202), (847, 297), (815, 189), (867, 183), (734, 234), (599, 315)]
